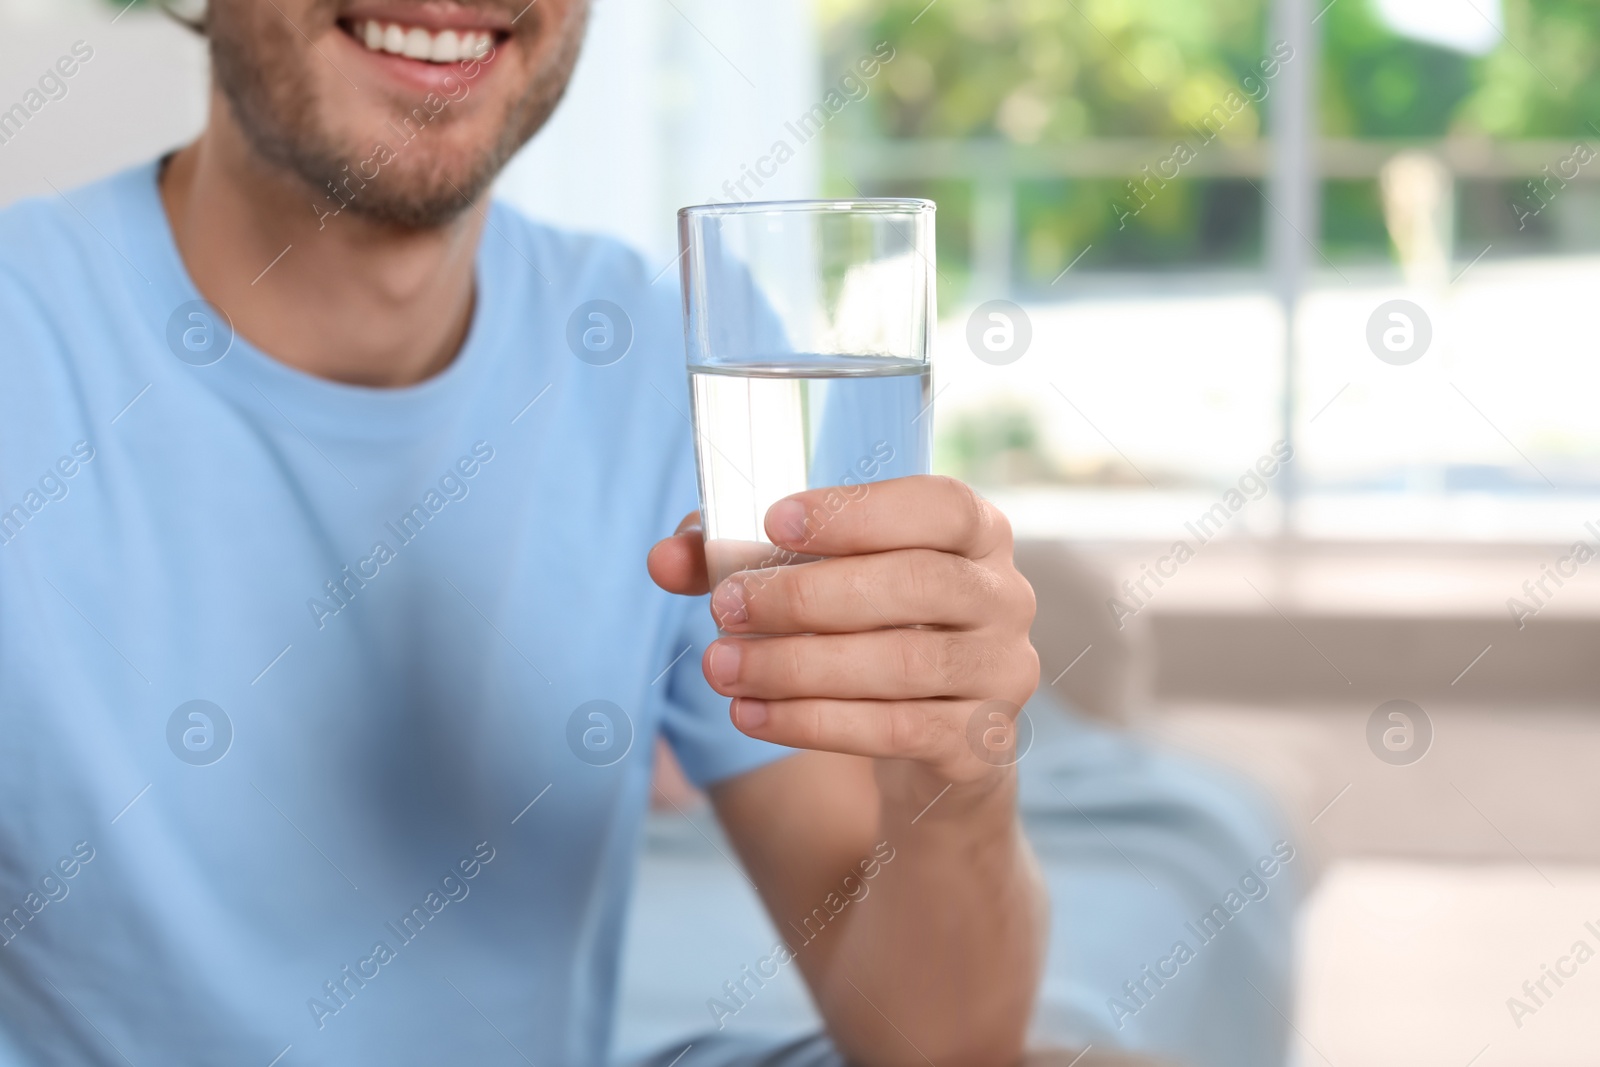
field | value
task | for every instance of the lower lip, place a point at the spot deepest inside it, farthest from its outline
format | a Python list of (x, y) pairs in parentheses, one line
[(416, 74)]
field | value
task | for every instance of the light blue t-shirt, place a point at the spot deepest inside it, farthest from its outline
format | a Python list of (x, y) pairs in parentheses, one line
[(297, 679)]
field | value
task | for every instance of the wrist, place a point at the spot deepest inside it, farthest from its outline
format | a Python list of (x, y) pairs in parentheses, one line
[(913, 793)]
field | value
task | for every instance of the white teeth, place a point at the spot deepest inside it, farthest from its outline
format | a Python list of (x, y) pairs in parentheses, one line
[(446, 46), (419, 44)]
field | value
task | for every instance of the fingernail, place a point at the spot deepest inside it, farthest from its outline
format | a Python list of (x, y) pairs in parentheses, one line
[(749, 714), (787, 519), (728, 605), (724, 665)]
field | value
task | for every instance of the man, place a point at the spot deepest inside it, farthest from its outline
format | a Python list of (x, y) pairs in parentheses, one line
[(329, 667)]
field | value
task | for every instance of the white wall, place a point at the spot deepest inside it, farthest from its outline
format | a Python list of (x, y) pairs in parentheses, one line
[(142, 92), (670, 99)]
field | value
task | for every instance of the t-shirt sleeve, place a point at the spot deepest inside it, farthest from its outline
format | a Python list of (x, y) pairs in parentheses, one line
[(695, 720)]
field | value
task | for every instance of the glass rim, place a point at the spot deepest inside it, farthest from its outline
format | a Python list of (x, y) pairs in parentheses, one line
[(866, 205)]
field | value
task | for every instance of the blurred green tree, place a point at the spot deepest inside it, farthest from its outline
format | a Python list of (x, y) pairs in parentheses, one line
[(1057, 71)]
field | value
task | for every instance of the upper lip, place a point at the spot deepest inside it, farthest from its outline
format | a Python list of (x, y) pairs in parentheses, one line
[(432, 16)]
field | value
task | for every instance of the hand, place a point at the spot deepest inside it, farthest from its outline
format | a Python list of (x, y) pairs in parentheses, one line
[(900, 645)]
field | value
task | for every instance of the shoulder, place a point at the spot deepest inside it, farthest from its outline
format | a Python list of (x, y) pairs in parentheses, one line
[(592, 295), (604, 326), (41, 237), (575, 267), (32, 233), (45, 267), (75, 259), (577, 248), (75, 273)]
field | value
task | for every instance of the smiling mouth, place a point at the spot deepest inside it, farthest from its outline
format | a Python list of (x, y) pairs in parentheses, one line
[(420, 43)]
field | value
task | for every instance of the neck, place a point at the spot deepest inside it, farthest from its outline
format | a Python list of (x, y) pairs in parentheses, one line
[(351, 300)]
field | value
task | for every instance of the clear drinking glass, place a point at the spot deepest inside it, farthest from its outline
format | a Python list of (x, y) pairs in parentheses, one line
[(808, 329)]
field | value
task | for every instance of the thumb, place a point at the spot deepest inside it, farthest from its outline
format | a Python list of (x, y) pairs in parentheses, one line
[(678, 563)]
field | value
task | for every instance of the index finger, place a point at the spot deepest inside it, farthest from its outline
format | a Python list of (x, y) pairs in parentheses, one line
[(922, 511)]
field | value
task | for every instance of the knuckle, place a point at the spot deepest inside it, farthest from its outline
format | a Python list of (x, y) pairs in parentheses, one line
[(803, 594), (985, 661), (937, 581), (911, 664), (999, 525), (1024, 599), (912, 731), (977, 583), (973, 508), (901, 729), (791, 663), (760, 593), (806, 717), (927, 578), (968, 662), (954, 657), (941, 734), (1028, 669)]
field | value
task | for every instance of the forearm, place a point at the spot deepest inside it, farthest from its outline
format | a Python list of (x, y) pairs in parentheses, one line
[(942, 962), (905, 640)]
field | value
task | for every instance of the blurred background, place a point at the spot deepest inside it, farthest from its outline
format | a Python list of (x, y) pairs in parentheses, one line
[(1362, 234)]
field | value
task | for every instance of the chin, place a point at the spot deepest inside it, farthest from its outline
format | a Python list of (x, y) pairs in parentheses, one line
[(410, 167), (424, 194)]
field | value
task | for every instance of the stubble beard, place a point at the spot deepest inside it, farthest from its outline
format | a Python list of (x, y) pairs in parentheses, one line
[(260, 66)]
